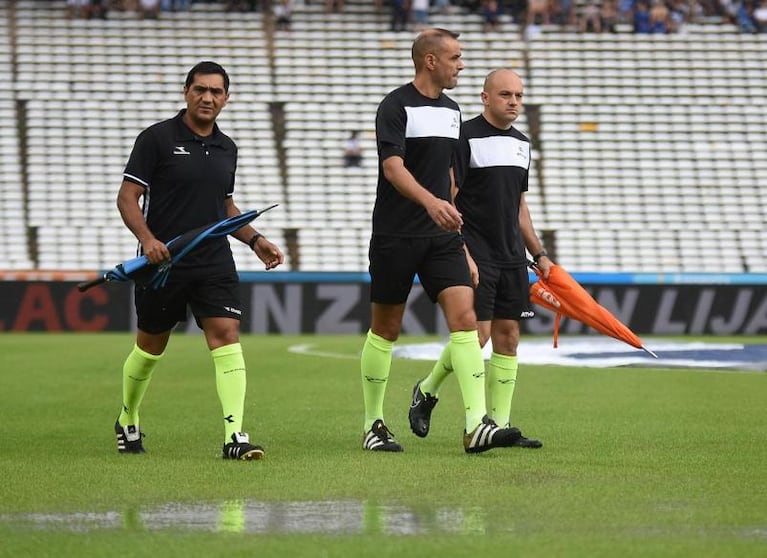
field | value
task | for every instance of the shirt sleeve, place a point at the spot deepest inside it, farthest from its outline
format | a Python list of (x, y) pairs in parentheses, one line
[(230, 189), (461, 158), (526, 180), (391, 121), (143, 159)]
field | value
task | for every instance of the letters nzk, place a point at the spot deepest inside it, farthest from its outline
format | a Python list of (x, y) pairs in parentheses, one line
[(180, 150)]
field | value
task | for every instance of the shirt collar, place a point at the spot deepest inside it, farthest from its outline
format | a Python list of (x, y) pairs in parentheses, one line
[(184, 133)]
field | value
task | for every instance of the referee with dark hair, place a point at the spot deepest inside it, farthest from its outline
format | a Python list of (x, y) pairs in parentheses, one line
[(416, 231), (180, 176)]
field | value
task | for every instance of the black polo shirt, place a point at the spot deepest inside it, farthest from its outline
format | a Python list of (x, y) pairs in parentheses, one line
[(186, 180)]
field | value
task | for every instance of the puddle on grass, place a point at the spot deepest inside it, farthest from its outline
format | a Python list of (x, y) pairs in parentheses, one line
[(342, 517), (246, 516)]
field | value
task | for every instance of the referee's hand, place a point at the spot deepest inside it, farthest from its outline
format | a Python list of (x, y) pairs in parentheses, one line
[(155, 251), (269, 253), (445, 215)]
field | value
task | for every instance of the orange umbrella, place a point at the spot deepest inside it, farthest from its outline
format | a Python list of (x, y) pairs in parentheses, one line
[(564, 296)]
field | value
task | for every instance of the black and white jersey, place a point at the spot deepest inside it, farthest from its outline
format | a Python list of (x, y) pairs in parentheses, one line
[(424, 132), (491, 172), (186, 181)]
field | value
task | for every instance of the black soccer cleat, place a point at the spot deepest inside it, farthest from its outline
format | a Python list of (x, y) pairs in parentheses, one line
[(379, 438), (129, 438), (525, 442), (489, 435), (241, 448), (419, 414)]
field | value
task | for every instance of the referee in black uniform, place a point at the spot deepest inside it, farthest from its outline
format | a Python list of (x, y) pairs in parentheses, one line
[(491, 176), (180, 176), (416, 231)]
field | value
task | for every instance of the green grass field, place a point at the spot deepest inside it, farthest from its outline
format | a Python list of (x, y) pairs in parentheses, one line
[(636, 462)]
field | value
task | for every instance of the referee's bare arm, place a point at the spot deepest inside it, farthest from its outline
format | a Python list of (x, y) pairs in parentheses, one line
[(128, 204), (442, 212), (267, 251)]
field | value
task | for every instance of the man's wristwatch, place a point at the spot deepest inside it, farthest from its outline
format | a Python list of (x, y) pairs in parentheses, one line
[(539, 255)]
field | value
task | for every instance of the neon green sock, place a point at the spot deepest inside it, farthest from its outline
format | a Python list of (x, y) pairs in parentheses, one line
[(442, 369), (501, 380), (375, 364), (469, 369), (231, 382), (137, 373)]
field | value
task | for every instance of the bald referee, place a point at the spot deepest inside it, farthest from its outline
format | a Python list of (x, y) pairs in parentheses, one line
[(491, 174), (415, 231)]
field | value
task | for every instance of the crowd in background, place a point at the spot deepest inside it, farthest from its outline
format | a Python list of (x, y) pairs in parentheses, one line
[(586, 16)]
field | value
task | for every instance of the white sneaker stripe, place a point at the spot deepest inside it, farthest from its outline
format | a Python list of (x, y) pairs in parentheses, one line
[(483, 436)]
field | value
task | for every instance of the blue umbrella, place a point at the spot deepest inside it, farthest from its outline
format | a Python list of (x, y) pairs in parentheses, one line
[(140, 269)]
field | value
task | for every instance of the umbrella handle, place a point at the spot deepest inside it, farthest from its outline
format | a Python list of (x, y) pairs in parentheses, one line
[(535, 267), (557, 320), (84, 286)]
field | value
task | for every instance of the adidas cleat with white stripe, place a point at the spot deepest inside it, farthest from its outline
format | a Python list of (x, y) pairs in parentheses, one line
[(129, 438), (489, 435), (379, 438), (241, 448)]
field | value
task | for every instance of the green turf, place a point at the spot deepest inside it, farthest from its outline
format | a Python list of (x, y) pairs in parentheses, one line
[(636, 462)]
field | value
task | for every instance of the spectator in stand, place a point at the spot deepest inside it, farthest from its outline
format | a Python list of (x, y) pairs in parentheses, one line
[(590, 20), (334, 6), (100, 8), (563, 13), (517, 9), (626, 10), (353, 150), (149, 9), (538, 12), (742, 16), (247, 5), (609, 15), (759, 16), (399, 14), (679, 14), (491, 15), (283, 12), (83, 9), (642, 18), (175, 5), (419, 11), (660, 19), (442, 6)]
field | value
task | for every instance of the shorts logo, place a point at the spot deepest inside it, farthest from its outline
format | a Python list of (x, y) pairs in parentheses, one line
[(233, 310), (527, 314), (180, 150)]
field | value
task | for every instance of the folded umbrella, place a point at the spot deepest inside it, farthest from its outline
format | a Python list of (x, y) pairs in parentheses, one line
[(564, 296), (142, 271)]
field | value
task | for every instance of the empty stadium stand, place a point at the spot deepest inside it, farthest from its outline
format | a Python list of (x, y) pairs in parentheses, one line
[(650, 151)]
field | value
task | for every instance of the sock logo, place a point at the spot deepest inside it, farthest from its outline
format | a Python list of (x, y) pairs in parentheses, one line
[(479, 374), (229, 419), (506, 381), (375, 380)]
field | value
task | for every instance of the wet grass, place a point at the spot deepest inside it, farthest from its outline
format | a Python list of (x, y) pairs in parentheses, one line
[(636, 462)]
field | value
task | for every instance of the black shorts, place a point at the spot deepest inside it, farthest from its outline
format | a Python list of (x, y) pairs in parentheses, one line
[(502, 293), (159, 310), (440, 262)]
